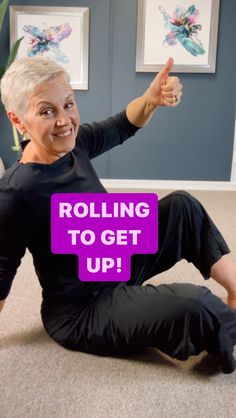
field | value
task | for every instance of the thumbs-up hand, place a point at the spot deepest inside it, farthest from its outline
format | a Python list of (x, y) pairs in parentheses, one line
[(164, 89)]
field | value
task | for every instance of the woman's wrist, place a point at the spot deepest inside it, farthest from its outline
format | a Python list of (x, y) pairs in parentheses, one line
[(150, 103)]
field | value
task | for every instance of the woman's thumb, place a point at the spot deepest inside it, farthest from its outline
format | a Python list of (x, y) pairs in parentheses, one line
[(167, 68)]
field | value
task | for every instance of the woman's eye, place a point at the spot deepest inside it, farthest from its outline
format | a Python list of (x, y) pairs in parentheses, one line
[(47, 112), (69, 105)]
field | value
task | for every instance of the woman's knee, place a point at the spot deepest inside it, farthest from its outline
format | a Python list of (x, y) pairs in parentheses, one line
[(190, 291), (176, 202), (181, 196)]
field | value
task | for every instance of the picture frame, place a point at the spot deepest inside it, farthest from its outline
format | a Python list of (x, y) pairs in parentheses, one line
[(183, 29), (57, 33)]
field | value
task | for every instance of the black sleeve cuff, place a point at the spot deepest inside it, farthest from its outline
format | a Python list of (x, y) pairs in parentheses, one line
[(130, 125)]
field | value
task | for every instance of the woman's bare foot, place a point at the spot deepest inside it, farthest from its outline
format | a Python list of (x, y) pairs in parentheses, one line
[(224, 272)]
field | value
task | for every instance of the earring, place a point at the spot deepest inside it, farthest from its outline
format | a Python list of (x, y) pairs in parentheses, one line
[(24, 135)]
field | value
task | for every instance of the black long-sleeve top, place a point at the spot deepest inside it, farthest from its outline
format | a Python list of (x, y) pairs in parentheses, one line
[(25, 197)]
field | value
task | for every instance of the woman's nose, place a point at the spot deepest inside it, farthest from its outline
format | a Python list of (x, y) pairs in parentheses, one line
[(63, 119)]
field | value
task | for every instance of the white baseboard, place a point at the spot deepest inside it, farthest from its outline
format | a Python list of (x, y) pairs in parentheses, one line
[(169, 184)]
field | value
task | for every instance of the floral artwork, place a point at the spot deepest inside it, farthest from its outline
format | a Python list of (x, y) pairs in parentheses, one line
[(46, 41), (184, 29), (57, 33)]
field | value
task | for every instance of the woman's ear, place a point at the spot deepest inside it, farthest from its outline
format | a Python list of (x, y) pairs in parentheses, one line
[(17, 121)]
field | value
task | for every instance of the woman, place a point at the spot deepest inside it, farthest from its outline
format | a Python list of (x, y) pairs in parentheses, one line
[(97, 317)]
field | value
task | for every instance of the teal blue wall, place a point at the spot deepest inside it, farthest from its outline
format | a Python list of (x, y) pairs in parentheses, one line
[(191, 142)]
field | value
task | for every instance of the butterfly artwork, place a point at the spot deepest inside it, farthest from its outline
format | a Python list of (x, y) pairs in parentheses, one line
[(46, 41), (183, 28)]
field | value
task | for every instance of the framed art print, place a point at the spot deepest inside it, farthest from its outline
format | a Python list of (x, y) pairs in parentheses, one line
[(57, 33), (186, 30)]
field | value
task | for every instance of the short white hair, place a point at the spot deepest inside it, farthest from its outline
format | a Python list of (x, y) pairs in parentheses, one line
[(22, 77)]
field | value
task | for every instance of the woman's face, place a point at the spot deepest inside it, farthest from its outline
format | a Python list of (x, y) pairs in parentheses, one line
[(52, 118)]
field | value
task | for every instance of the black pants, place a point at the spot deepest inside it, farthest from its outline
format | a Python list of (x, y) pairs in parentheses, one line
[(179, 319)]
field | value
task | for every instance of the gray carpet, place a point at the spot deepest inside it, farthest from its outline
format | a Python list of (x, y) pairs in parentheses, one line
[(40, 379)]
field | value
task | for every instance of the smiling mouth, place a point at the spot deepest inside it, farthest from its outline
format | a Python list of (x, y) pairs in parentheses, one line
[(64, 134)]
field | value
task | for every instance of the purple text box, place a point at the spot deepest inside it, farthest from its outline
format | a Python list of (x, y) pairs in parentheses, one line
[(104, 230)]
